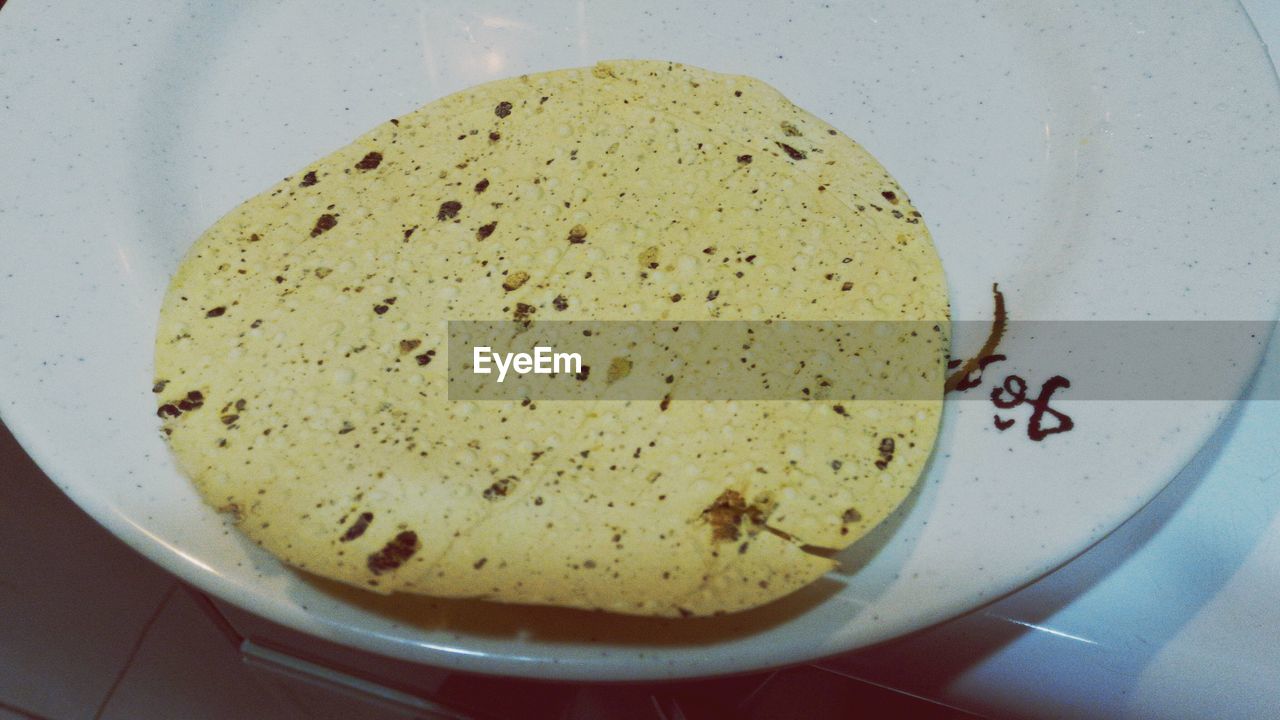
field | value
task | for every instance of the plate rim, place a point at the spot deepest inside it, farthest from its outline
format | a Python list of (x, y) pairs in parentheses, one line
[(190, 570)]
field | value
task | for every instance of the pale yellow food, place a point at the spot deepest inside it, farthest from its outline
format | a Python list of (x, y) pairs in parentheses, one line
[(301, 351)]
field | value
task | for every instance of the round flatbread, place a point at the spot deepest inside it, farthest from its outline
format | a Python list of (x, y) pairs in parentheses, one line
[(300, 357)]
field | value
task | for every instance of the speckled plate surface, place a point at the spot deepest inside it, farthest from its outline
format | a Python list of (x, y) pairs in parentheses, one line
[(1098, 162)]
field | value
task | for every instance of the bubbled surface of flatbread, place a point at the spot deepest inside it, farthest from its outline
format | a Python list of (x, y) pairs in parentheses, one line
[(301, 354)]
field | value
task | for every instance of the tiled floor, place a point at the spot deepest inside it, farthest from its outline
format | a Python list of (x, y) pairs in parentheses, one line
[(73, 599), (89, 629), (186, 667), (12, 714)]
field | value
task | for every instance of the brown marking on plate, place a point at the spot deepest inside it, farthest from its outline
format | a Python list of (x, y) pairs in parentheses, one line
[(988, 347)]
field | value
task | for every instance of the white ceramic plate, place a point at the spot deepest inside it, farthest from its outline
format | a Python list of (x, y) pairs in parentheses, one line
[(1100, 161)]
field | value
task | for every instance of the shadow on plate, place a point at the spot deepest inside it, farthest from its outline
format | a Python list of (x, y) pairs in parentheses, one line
[(567, 625), (855, 557)]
